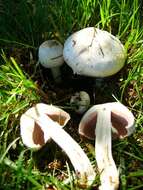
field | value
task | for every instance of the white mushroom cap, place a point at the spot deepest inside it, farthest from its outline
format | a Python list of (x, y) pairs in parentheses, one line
[(32, 135), (81, 101), (94, 52), (51, 54)]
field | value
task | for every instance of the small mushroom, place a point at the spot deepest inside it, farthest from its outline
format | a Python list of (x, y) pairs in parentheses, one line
[(102, 121), (94, 52), (80, 101), (51, 56), (42, 122)]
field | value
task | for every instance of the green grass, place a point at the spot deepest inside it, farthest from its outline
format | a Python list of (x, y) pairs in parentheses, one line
[(24, 26)]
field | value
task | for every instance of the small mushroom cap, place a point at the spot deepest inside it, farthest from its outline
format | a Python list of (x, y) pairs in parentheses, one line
[(121, 118), (81, 101), (31, 133), (94, 52), (51, 54)]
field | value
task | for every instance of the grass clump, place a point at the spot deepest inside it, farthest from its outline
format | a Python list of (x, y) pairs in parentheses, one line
[(18, 92)]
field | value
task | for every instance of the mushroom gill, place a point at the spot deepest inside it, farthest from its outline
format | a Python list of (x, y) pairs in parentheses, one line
[(119, 123), (60, 118), (38, 135)]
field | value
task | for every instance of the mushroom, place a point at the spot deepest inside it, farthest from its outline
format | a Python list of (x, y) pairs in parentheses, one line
[(80, 101), (42, 122), (95, 53), (102, 121), (51, 56)]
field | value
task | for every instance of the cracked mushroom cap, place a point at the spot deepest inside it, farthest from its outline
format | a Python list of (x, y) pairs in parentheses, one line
[(50, 54), (31, 133), (94, 52), (122, 120)]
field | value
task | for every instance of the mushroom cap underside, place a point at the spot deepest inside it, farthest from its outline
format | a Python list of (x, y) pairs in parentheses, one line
[(121, 118), (31, 133), (94, 52)]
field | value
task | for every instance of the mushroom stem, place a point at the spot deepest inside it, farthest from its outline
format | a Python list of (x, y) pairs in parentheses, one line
[(75, 153), (98, 82), (56, 73), (109, 176)]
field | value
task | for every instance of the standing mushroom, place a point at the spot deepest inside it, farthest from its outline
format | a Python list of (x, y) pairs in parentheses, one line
[(42, 122), (51, 56), (102, 121), (94, 52)]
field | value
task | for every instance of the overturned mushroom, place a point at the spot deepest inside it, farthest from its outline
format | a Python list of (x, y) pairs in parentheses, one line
[(42, 122), (102, 121)]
